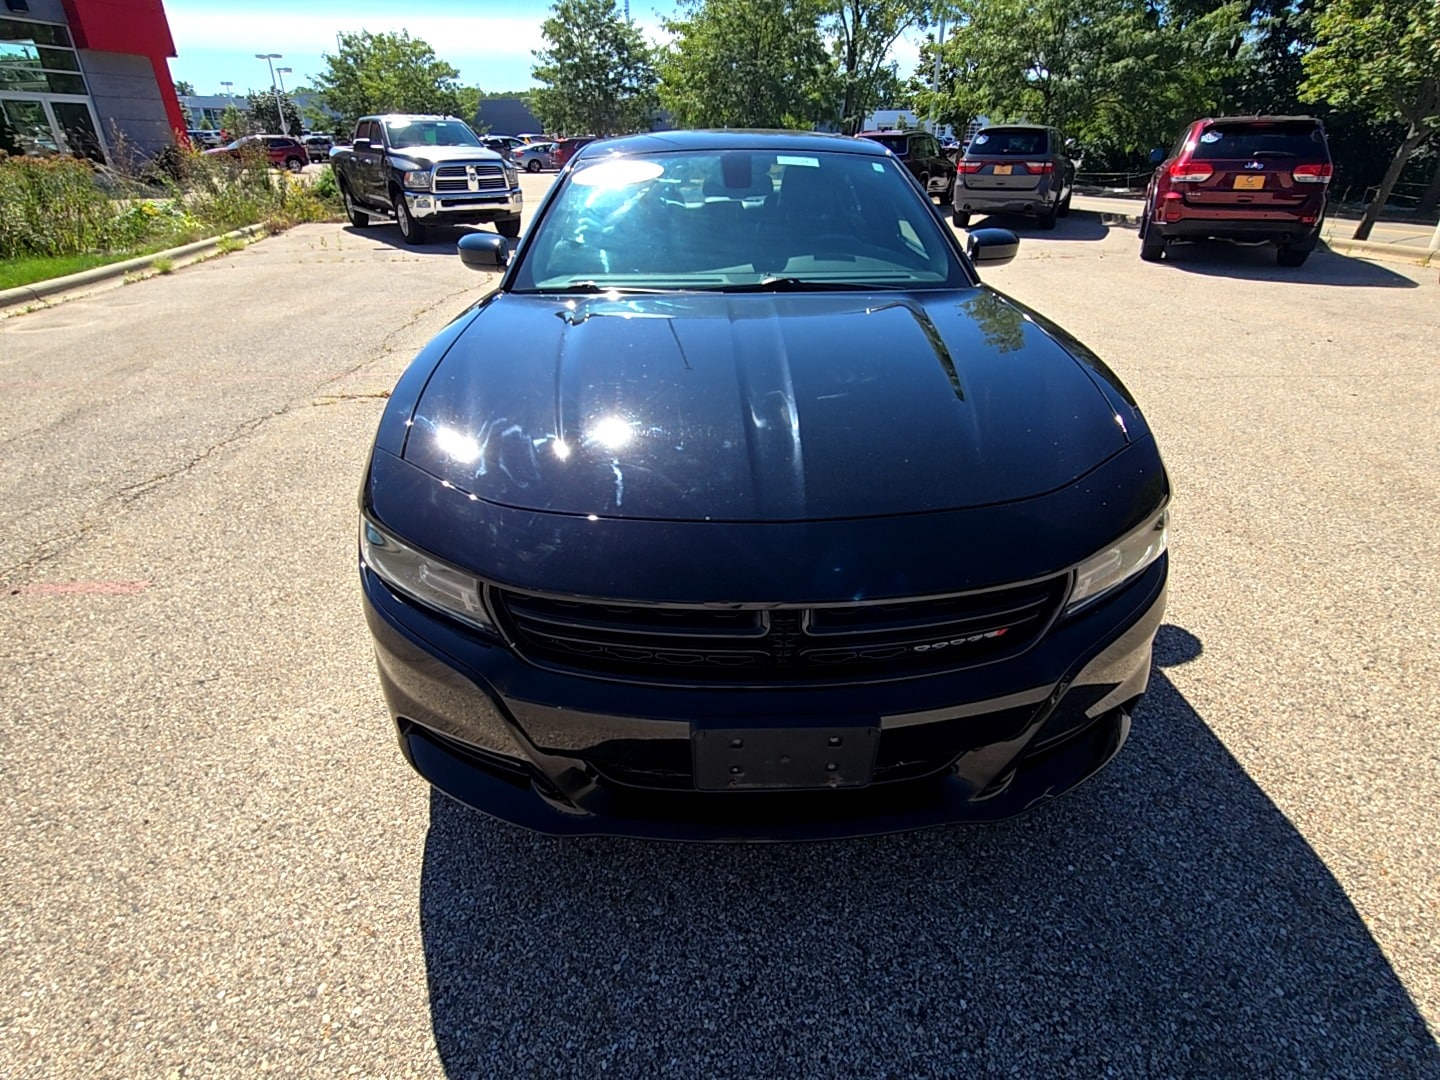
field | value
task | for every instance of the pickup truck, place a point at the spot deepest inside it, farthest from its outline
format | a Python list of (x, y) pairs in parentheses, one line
[(424, 171)]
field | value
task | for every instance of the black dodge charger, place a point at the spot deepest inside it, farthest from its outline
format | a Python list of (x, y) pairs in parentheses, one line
[(741, 509)]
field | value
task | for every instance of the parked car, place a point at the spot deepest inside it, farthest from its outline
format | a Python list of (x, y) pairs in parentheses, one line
[(565, 149), (281, 149), (318, 146), (424, 171), (202, 138), (504, 145), (533, 157), (1015, 169), (1252, 178), (767, 532), (922, 155)]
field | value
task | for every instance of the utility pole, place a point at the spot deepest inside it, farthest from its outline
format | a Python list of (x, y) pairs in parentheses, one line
[(270, 59)]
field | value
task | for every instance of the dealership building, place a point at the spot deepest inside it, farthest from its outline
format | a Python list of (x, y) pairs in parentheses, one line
[(81, 76)]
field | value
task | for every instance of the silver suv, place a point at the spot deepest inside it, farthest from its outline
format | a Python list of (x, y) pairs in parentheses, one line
[(1015, 169)]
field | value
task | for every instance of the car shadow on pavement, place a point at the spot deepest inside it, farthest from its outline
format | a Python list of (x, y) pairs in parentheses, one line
[(440, 240), (1256, 262), (1079, 225), (1165, 919)]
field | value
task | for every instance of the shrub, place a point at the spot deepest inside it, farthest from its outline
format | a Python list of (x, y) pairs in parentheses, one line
[(51, 206)]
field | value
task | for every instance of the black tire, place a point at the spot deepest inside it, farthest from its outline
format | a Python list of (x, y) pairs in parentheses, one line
[(1046, 218), (508, 228), (294, 164), (533, 165), (358, 217), (1291, 255), (948, 198), (410, 229), (1064, 210), (1152, 244), (960, 219)]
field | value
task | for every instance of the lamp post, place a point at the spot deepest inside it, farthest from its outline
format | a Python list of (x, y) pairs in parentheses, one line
[(270, 59)]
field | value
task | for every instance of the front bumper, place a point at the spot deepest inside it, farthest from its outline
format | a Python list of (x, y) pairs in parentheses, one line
[(570, 755), (466, 207)]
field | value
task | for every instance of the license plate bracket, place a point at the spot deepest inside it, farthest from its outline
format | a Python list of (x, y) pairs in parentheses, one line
[(783, 758)]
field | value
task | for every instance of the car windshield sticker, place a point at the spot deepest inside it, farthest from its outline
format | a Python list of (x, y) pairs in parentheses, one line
[(1210, 137), (981, 140), (808, 162), (621, 173), (877, 166)]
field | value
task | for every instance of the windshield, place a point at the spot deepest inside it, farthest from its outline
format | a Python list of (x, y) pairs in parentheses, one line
[(407, 133), (1302, 140), (741, 220), (1018, 142)]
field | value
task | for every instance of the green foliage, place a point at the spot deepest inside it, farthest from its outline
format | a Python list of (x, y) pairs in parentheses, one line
[(863, 33), (749, 63), (184, 89), (1119, 74), (265, 117), (596, 73), (325, 186), (236, 123), (1381, 57), (57, 207), (380, 73)]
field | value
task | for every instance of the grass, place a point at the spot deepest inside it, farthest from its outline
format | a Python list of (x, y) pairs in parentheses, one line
[(28, 270)]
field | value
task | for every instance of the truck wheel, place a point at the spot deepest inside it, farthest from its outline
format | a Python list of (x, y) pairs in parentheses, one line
[(410, 229), (359, 218), (508, 227)]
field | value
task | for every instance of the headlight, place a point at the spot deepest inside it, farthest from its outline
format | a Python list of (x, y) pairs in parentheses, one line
[(420, 178), (1120, 562), (511, 176), (423, 577)]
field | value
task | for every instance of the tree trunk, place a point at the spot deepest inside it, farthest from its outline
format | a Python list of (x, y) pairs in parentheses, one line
[(1431, 198), (1397, 165)]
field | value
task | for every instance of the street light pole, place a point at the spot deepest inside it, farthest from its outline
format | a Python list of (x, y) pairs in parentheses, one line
[(270, 59)]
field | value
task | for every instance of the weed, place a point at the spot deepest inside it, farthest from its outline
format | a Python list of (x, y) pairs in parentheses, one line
[(226, 244), (163, 265)]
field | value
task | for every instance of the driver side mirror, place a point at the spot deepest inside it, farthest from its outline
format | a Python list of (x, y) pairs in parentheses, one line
[(992, 247), (484, 251), (360, 144), (1157, 155)]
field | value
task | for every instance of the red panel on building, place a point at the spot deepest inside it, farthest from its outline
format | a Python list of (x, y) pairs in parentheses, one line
[(136, 27)]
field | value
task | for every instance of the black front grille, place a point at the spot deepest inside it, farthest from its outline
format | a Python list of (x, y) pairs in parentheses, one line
[(457, 178), (792, 644)]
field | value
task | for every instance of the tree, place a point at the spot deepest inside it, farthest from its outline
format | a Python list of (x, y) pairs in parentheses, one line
[(184, 89), (1382, 57), (596, 72), (749, 63), (864, 32), (235, 122), (265, 117), (380, 73), (1122, 75)]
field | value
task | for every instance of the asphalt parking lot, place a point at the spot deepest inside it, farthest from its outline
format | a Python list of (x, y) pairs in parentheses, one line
[(214, 861)]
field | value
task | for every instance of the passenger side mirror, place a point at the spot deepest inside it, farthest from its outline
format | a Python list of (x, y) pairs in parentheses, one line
[(484, 251), (992, 247), (1157, 155)]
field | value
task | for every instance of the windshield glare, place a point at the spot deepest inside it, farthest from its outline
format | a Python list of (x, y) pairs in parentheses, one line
[(403, 134), (735, 218)]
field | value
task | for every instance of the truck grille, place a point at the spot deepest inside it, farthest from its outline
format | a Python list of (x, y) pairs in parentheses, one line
[(478, 176), (768, 645)]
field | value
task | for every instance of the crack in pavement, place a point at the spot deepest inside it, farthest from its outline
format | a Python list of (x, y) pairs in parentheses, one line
[(52, 548)]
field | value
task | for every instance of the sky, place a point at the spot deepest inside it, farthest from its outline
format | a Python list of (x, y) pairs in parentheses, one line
[(490, 41)]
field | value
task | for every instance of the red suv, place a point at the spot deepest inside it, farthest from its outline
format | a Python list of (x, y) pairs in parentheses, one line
[(565, 149), (281, 149), (1240, 178)]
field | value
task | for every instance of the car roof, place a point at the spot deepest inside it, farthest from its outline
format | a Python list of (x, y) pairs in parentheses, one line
[(891, 131), (1260, 119), (1014, 127), (735, 139)]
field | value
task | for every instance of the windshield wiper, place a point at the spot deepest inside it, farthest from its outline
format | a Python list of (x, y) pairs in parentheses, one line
[(596, 287), (794, 284)]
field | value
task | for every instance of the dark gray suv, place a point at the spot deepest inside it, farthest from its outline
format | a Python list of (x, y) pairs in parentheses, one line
[(1015, 169)]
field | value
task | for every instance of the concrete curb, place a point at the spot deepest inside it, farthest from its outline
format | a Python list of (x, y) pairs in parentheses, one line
[(1418, 255), (39, 291)]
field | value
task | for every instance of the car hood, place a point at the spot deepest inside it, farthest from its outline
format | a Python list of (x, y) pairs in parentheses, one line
[(438, 155), (762, 407)]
